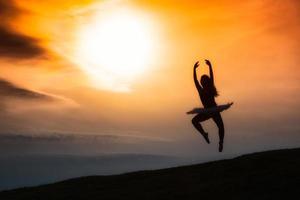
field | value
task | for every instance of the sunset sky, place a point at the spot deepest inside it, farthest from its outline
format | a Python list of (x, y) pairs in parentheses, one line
[(124, 68)]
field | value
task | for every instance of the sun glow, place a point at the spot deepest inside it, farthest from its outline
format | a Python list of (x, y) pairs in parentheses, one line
[(114, 48)]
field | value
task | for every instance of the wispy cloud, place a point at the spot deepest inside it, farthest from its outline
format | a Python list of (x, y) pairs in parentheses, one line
[(9, 90), (81, 138), (75, 143)]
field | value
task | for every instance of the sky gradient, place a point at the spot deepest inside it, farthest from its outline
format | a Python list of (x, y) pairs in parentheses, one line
[(253, 46)]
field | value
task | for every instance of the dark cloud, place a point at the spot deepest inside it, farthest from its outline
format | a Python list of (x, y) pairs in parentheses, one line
[(8, 9), (9, 90), (12, 44)]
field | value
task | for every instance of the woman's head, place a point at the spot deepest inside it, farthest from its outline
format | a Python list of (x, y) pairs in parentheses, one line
[(205, 81), (207, 84)]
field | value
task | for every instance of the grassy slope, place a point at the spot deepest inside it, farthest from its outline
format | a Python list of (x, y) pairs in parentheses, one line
[(266, 175)]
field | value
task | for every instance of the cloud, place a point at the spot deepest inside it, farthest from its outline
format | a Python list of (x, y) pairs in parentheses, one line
[(8, 9), (12, 44), (81, 138), (9, 90), (19, 142)]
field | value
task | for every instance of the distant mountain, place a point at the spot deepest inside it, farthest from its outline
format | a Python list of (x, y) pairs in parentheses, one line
[(31, 170), (266, 175)]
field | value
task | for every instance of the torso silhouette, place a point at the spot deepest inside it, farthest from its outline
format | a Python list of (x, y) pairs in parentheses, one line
[(207, 98)]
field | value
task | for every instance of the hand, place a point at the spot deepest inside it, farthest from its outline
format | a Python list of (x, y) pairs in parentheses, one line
[(196, 65), (208, 62)]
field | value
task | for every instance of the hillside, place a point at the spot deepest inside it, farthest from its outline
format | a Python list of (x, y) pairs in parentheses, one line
[(266, 175)]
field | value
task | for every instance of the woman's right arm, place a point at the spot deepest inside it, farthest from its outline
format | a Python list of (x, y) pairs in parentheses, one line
[(197, 84)]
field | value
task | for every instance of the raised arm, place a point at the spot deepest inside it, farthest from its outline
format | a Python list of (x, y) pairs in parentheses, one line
[(197, 84), (211, 73)]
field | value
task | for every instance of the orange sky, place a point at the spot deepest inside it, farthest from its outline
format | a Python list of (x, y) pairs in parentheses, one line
[(253, 46)]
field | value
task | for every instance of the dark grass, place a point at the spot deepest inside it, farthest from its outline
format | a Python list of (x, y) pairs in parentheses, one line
[(266, 175)]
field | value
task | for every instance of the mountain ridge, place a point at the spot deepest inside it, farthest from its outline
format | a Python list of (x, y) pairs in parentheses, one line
[(264, 175)]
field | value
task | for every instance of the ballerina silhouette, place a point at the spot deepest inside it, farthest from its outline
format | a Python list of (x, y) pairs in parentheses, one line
[(208, 92)]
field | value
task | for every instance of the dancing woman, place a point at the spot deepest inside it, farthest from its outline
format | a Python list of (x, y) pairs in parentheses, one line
[(208, 92)]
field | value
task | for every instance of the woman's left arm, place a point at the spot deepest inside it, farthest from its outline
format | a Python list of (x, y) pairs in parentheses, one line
[(211, 73)]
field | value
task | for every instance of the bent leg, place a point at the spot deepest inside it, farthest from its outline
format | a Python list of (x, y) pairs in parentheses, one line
[(196, 122), (218, 120)]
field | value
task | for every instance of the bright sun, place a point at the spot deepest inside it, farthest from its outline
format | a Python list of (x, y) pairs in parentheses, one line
[(114, 48)]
